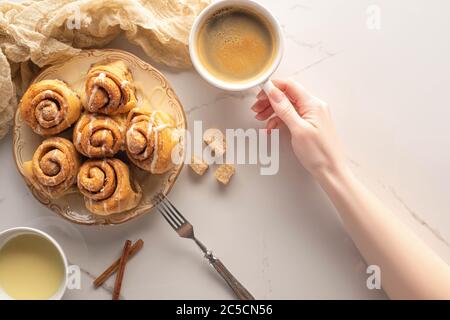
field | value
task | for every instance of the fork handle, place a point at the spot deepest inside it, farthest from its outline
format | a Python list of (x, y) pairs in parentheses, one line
[(234, 284)]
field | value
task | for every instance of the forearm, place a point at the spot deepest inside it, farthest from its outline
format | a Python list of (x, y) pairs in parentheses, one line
[(409, 269)]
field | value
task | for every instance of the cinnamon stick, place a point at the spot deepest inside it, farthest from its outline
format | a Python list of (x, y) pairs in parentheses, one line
[(115, 265), (121, 271)]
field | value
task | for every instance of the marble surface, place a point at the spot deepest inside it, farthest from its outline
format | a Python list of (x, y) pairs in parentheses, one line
[(388, 90)]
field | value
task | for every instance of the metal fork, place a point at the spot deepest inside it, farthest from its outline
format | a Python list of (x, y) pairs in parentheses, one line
[(185, 230)]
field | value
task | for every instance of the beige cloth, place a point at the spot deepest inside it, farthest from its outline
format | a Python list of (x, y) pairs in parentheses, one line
[(37, 33)]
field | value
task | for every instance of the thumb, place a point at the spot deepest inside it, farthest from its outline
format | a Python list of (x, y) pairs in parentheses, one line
[(283, 107)]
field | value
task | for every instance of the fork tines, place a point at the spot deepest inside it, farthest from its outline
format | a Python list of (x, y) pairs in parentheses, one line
[(169, 212)]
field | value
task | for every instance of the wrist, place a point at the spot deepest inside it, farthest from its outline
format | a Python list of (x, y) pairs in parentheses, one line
[(331, 175)]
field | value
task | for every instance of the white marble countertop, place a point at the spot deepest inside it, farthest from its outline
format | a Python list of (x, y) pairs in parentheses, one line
[(388, 90)]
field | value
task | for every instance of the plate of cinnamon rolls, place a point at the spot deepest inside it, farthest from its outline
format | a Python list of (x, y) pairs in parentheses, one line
[(98, 136)]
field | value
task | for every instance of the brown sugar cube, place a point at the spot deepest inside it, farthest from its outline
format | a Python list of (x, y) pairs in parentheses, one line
[(198, 165), (224, 173), (216, 141)]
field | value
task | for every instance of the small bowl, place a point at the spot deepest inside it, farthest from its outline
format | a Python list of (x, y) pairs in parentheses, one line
[(9, 234)]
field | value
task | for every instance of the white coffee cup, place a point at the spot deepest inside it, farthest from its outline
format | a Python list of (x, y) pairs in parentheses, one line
[(262, 80), (8, 234)]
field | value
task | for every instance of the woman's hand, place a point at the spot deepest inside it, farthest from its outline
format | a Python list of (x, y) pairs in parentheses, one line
[(308, 118), (409, 269)]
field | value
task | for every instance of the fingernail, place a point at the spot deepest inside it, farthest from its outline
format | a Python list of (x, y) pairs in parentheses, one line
[(268, 86), (261, 96), (276, 95)]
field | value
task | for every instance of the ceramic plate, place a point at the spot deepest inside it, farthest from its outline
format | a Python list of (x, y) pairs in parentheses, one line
[(148, 80)]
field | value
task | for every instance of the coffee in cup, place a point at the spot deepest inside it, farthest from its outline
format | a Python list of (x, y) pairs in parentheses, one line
[(236, 44)]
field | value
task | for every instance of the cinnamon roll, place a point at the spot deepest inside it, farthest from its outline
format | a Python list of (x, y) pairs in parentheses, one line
[(150, 139), (106, 187), (49, 107), (109, 89), (97, 136), (54, 167)]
